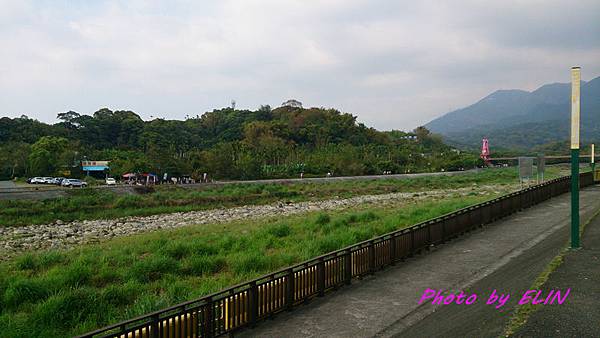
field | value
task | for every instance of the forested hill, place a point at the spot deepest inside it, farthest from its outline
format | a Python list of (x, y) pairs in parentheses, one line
[(226, 143), (523, 120)]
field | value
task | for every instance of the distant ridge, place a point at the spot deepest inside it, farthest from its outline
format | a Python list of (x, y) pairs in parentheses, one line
[(521, 119)]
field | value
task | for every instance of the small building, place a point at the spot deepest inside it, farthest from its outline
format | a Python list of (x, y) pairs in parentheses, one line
[(98, 169), (292, 103)]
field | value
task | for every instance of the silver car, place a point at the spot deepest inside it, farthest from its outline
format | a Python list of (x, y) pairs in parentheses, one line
[(74, 183)]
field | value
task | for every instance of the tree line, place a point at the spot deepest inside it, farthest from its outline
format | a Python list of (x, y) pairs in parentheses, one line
[(226, 143)]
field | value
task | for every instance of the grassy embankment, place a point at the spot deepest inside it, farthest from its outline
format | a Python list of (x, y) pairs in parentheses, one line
[(102, 204), (62, 293)]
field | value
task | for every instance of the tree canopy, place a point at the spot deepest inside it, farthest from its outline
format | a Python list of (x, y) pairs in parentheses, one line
[(227, 143)]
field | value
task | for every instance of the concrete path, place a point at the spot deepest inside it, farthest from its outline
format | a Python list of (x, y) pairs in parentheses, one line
[(579, 315), (506, 256)]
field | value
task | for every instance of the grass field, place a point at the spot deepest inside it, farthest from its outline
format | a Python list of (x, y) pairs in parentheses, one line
[(62, 293), (102, 204)]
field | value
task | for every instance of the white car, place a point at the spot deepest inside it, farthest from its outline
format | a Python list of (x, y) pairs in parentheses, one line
[(110, 181), (38, 180)]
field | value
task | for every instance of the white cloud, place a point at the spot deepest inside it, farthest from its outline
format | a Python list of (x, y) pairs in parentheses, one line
[(394, 64)]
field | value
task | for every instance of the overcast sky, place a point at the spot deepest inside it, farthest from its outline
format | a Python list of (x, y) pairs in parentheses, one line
[(395, 64)]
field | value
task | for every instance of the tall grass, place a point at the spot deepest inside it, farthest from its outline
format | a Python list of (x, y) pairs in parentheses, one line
[(63, 293)]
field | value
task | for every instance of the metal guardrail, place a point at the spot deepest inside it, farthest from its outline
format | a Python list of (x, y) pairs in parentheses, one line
[(246, 304)]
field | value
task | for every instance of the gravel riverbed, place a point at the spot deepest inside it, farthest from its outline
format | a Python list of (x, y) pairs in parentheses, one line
[(14, 240)]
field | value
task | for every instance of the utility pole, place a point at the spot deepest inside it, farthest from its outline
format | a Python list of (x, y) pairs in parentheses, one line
[(575, 114), (593, 162)]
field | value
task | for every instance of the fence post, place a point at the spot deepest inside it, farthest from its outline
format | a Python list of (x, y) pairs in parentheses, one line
[(371, 252), (429, 240), (154, 333), (393, 249), (208, 327), (348, 267), (289, 291), (321, 277), (412, 243), (443, 229), (253, 303)]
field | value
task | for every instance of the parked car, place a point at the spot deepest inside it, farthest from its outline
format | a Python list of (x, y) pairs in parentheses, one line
[(71, 183), (38, 180), (48, 180), (59, 180), (110, 181)]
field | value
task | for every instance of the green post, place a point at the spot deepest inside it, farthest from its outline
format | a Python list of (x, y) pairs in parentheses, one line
[(574, 198), (575, 118)]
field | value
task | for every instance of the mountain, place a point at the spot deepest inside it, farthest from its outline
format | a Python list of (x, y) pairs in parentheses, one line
[(522, 120)]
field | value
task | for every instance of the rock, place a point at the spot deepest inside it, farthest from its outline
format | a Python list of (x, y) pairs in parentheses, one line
[(69, 234)]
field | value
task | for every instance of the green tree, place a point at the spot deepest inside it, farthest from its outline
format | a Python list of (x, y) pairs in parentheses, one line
[(46, 154)]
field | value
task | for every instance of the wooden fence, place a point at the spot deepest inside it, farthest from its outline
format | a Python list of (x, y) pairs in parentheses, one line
[(247, 304)]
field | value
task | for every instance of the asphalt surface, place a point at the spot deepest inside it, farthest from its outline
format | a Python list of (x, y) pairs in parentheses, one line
[(7, 185), (506, 256), (579, 315)]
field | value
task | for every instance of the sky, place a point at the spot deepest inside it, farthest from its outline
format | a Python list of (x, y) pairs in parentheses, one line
[(394, 64)]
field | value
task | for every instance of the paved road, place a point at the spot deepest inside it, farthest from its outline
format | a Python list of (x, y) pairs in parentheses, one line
[(579, 316), (7, 185), (506, 256)]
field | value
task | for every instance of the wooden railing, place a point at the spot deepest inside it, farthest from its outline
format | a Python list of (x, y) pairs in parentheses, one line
[(246, 304)]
